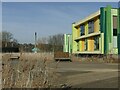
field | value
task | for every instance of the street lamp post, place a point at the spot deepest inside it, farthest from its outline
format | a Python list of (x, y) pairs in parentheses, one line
[(35, 38)]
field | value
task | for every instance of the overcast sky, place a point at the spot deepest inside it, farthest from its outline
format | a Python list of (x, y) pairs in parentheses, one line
[(48, 18)]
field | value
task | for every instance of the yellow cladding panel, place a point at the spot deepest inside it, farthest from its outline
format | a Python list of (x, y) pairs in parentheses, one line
[(76, 32), (90, 44), (86, 28), (81, 46), (74, 44), (96, 24)]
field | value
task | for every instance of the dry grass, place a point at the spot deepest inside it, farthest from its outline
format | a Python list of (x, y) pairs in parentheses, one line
[(97, 59), (30, 71)]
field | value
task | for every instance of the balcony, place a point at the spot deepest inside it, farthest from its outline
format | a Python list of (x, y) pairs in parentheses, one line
[(86, 36)]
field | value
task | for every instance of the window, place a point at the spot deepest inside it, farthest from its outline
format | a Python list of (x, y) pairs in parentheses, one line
[(91, 26), (114, 22), (114, 32), (114, 25), (86, 45), (82, 27), (96, 43)]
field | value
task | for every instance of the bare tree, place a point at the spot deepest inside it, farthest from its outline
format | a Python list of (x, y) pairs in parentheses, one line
[(51, 43), (56, 41), (7, 37), (42, 44), (42, 40)]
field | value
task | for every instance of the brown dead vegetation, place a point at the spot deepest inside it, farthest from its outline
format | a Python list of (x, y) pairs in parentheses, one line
[(28, 72)]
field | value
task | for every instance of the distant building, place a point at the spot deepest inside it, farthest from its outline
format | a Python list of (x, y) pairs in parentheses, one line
[(67, 43)]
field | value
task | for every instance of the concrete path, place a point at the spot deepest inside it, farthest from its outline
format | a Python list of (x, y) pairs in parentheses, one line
[(89, 75)]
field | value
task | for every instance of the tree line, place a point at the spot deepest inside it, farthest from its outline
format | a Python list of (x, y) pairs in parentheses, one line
[(45, 44), (51, 43)]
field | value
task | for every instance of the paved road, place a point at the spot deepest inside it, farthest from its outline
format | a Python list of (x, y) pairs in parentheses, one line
[(88, 75)]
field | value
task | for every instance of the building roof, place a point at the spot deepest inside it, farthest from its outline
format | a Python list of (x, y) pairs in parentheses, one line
[(88, 18)]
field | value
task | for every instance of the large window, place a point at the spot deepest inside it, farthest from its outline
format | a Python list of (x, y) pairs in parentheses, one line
[(82, 27), (114, 25), (96, 43), (86, 46), (91, 26), (115, 31), (114, 22)]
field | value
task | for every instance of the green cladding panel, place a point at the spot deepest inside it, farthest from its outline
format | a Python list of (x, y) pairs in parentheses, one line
[(119, 17), (103, 25), (102, 19), (108, 28), (67, 43), (119, 43)]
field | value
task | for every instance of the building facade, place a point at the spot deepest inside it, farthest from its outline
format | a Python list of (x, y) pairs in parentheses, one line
[(98, 33)]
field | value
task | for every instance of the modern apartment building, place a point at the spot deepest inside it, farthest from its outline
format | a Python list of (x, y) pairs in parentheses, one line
[(99, 33)]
